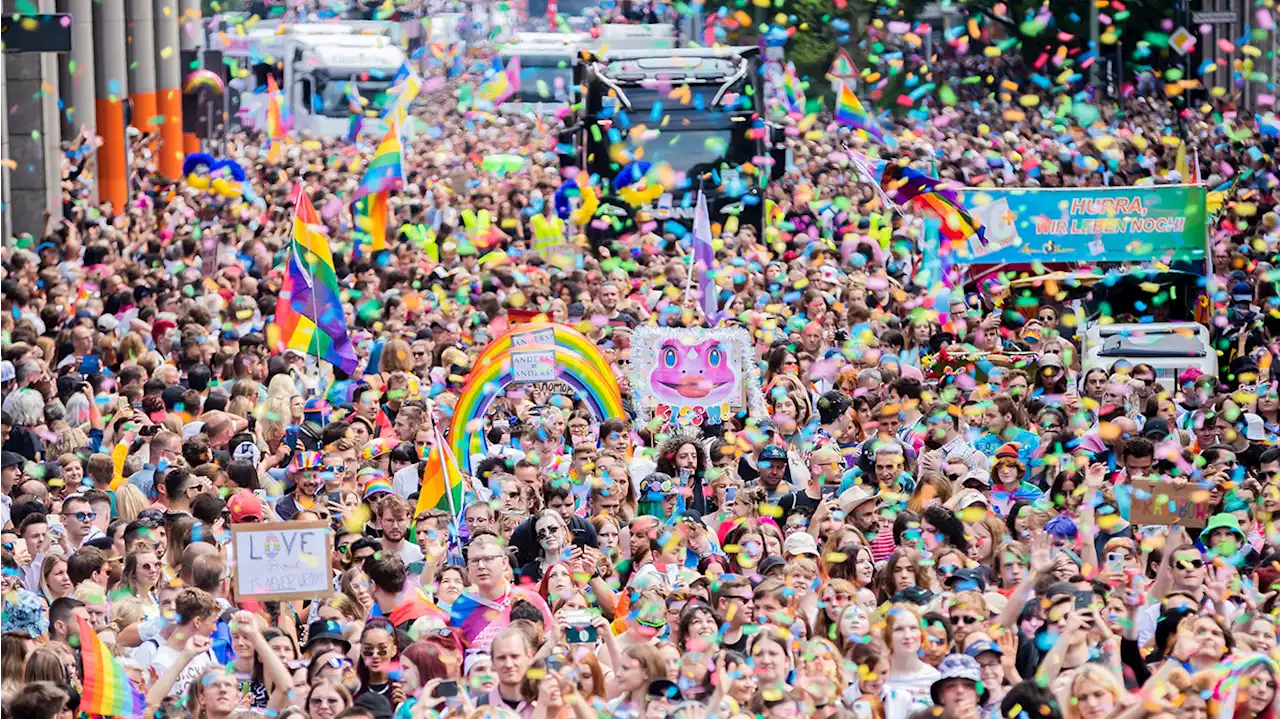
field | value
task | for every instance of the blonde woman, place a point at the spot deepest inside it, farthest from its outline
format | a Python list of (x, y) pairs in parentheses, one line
[(1090, 692), (129, 502), (282, 386)]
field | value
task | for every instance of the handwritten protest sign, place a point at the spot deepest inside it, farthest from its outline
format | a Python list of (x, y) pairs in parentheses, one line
[(282, 561), (1164, 503)]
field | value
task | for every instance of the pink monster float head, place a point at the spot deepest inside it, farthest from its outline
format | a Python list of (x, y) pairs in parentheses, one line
[(692, 375)]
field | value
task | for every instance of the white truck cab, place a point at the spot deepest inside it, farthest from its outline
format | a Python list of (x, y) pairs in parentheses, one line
[(1171, 343), (312, 64), (1169, 347)]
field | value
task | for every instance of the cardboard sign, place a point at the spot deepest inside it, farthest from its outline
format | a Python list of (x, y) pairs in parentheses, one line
[(1164, 503), (544, 336), (533, 365), (282, 561)]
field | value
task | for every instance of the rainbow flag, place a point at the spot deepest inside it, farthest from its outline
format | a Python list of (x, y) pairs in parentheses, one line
[(370, 214), (309, 310), (279, 118), (384, 172), (441, 479), (107, 689), (792, 91), (906, 186), (850, 113)]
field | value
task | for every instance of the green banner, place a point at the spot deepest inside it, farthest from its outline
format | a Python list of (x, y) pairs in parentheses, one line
[(1125, 224)]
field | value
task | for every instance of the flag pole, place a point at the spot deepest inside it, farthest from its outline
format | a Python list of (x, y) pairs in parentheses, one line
[(693, 254)]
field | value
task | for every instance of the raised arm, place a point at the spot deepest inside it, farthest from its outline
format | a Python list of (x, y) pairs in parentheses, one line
[(196, 645), (280, 680), (1041, 563)]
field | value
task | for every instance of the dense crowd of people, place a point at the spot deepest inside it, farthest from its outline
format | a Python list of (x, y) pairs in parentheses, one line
[(884, 542)]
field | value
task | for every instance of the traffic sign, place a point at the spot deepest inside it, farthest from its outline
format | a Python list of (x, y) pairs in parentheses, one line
[(842, 67), (1213, 18), (1182, 41)]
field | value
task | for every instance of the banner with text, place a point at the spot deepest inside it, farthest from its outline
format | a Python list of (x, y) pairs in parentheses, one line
[(1114, 224)]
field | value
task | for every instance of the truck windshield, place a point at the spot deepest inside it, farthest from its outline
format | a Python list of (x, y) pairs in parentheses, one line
[(691, 148), (1152, 344), (330, 98), (567, 8), (544, 79), (1145, 296)]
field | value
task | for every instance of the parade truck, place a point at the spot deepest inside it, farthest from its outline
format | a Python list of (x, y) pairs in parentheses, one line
[(695, 111), (546, 71), (1129, 264), (313, 64), (547, 59)]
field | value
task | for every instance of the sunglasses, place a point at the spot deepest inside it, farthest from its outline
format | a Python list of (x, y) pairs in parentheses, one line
[(548, 532), (83, 516), (965, 620), (1190, 563), (375, 652)]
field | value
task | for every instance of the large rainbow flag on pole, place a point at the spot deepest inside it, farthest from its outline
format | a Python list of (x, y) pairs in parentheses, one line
[(384, 173), (441, 479), (309, 311), (107, 689)]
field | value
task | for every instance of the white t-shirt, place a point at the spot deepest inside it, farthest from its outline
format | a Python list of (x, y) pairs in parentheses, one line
[(410, 552), (905, 694), (166, 657)]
